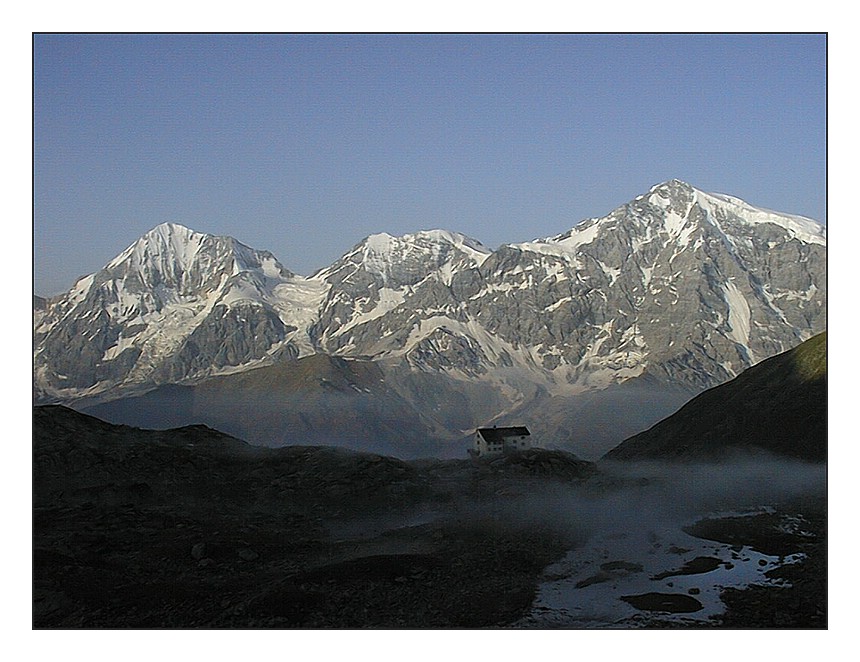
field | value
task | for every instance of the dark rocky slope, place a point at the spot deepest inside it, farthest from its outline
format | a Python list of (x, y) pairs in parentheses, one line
[(778, 406), (193, 528)]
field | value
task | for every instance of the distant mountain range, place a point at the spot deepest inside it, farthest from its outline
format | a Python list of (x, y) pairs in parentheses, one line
[(589, 336), (778, 406)]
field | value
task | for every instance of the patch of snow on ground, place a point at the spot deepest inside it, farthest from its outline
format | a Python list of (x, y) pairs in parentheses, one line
[(612, 272), (554, 269), (674, 223), (583, 234), (806, 295), (389, 299), (556, 304), (646, 275)]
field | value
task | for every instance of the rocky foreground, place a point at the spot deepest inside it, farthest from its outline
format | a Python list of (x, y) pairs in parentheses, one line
[(191, 528)]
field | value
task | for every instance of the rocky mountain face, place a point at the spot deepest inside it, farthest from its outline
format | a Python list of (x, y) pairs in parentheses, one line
[(679, 283), (778, 406), (678, 287), (175, 305)]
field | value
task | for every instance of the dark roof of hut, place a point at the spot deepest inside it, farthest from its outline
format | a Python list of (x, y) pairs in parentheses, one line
[(498, 435)]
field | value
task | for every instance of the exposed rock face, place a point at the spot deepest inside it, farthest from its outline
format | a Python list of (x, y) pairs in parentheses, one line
[(376, 287), (688, 286), (229, 336)]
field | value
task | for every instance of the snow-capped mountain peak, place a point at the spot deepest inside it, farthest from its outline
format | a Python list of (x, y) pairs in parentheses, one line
[(800, 227), (166, 243), (676, 211), (680, 284), (680, 198), (175, 257), (404, 260), (173, 305)]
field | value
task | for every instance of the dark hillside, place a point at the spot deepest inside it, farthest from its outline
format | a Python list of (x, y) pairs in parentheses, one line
[(778, 406), (316, 400), (191, 528)]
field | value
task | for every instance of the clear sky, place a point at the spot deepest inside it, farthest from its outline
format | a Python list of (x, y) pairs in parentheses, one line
[(305, 144)]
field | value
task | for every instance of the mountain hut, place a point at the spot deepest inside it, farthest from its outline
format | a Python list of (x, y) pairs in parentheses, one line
[(490, 442)]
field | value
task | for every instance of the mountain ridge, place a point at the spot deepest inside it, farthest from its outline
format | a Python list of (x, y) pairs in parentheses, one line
[(677, 286)]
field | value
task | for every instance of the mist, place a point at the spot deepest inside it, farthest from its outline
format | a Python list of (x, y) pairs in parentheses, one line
[(624, 497), (637, 495), (406, 415), (659, 532)]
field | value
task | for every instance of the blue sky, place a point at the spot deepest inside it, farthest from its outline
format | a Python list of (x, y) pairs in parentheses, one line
[(305, 144)]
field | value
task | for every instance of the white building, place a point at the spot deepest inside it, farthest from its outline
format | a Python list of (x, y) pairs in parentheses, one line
[(490, 442)]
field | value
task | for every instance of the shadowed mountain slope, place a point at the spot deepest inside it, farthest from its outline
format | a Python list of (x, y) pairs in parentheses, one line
[(319, 400), (778, 406)]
